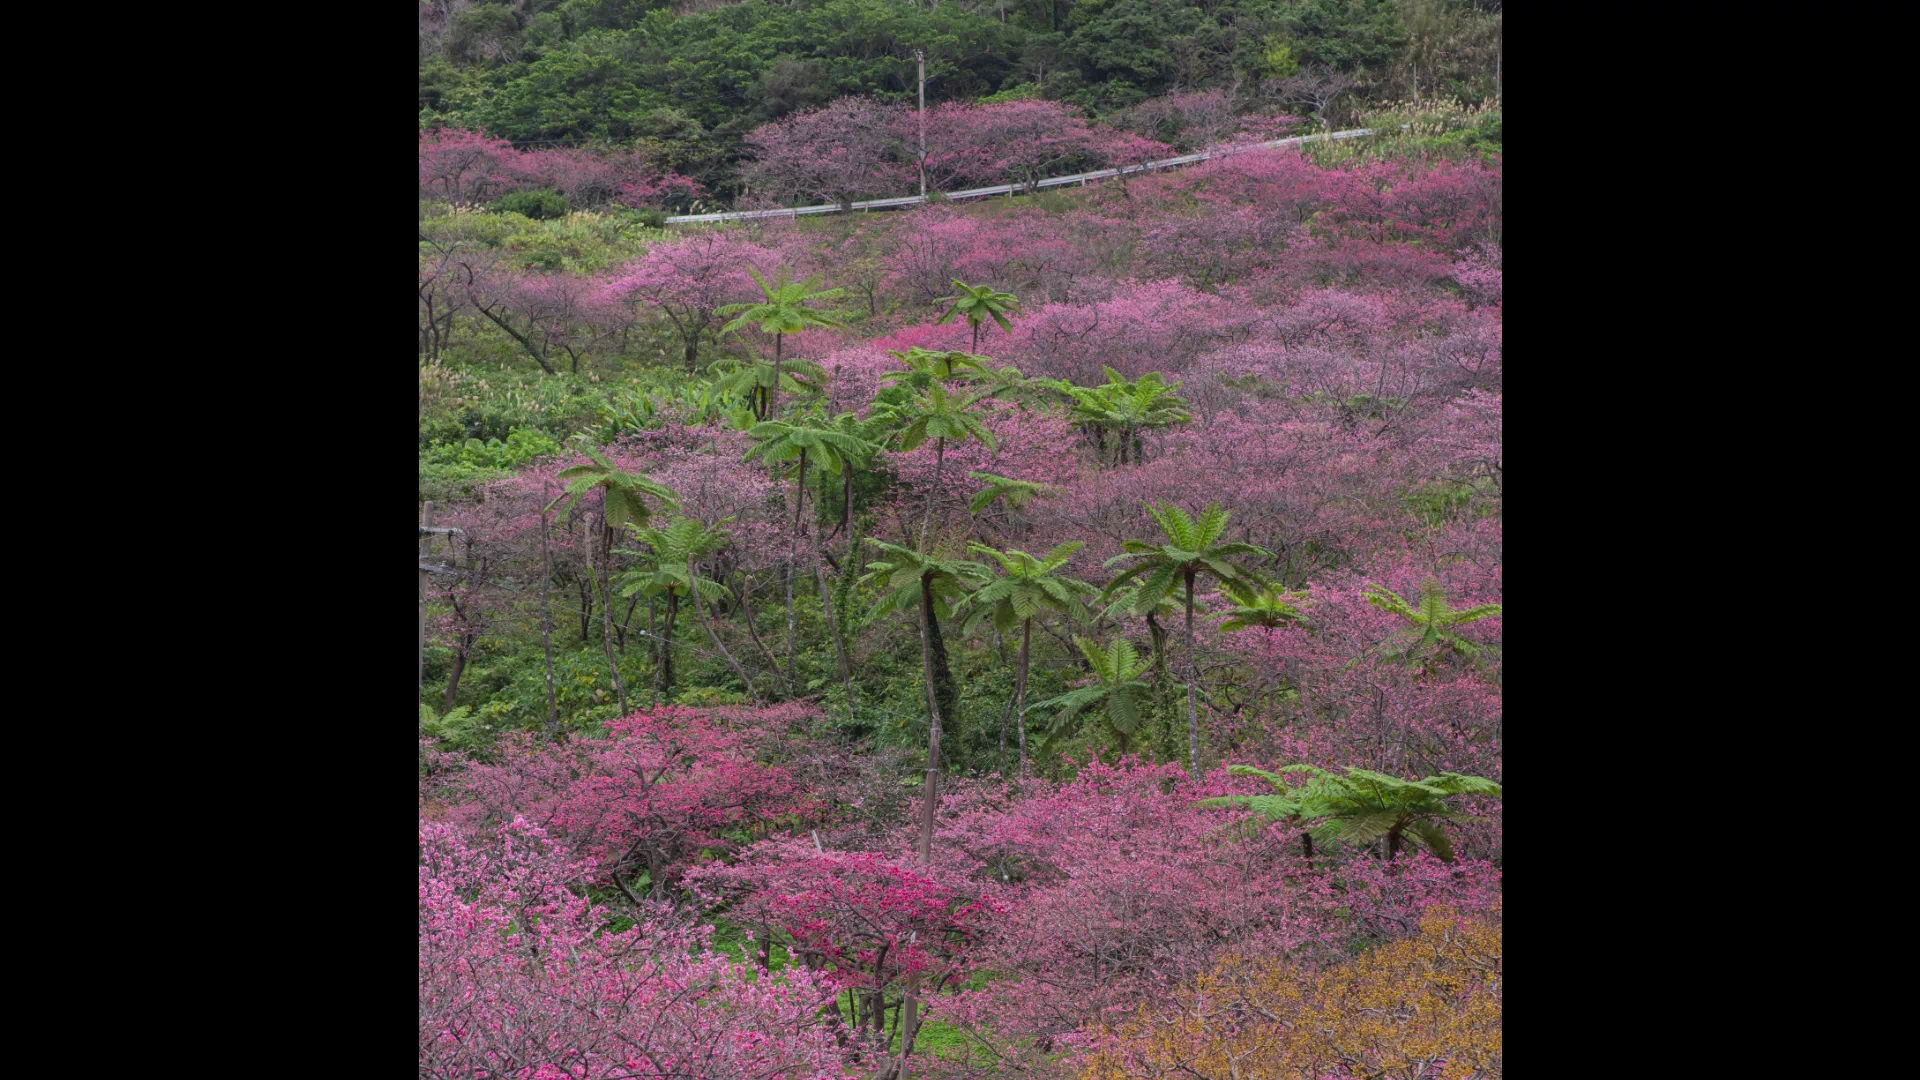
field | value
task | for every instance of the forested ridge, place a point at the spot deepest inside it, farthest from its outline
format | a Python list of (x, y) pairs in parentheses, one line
[(687, 82), (1058, 636)]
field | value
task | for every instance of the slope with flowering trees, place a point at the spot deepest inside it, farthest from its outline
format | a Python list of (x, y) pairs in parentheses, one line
[(1252, 410)]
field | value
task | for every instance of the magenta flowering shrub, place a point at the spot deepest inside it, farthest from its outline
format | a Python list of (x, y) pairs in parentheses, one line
[(521, 976), (865, 920), (664, 787)]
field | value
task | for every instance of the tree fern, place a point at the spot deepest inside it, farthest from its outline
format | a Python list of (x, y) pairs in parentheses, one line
[(1432, 623), (1362, 806), (1191, 548)]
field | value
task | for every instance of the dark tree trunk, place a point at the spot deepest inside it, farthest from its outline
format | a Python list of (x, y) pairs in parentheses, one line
[(793, 556), (846, 508), (546, 622), (1193, 707), (839, 643), (453, 679), (666, 645), (948, 694), (1020, 693), (626, 623), (773, 392), (933, 655), (606, 614), (939, 462)]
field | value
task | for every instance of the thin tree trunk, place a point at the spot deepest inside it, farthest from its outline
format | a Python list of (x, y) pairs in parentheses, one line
[(933, 724), (846, 501), (1006, 721), (939, 462), (586, 602), (700, 612), (910, 1027), (666, 645), (773, 392), (793, 555), (606, 608), (746, 584), (626, 623), (546, 622), (1193, 708), (653, 637), (525, 343), (1020, 693), (839, 643)]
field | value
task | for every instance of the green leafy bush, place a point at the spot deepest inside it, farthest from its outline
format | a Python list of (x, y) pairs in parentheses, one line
[(706, 697), (538, 205), (457, 470)]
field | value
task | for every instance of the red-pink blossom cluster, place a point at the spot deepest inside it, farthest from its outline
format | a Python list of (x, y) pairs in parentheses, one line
[(666, 785), (522, 977)]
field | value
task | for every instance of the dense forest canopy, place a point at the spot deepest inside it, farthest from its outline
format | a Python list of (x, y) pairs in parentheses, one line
[(688, 81)]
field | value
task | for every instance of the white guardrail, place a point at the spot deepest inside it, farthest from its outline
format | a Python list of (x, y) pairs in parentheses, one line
[(1008, 189)]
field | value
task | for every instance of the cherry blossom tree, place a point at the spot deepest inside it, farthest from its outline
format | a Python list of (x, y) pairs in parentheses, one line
[(838, 154), (687, 279)]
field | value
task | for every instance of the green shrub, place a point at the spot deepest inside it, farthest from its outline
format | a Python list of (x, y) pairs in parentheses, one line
[(706, 697), (445, 482), (538, 205), (455, 471), (1018, 92)]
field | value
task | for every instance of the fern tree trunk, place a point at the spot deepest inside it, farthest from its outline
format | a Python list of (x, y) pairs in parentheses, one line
[(1020, 693), (546, 621), (1169, 737), (839, 643), (846, 506), (666, 645), (929, 641), (933, 492), (773, 392), (1193, 707), (793, 555), (910, 1006), (944, 688), (606, 611)]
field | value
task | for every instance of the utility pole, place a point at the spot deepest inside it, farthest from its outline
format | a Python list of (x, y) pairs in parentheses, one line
[(921, 56)]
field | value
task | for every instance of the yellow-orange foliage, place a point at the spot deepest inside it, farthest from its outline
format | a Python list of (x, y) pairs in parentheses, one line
[(1396, 1013)]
